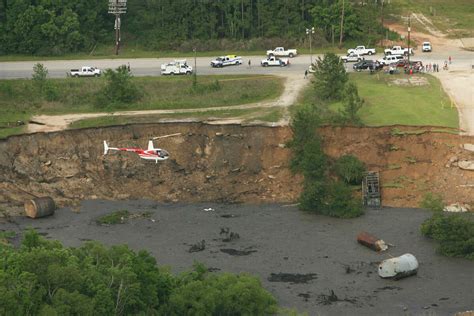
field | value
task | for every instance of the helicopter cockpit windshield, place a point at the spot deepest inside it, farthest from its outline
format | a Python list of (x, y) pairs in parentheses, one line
[(162, 153)]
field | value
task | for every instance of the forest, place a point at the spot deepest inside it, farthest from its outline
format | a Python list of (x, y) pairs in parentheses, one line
[(47, 27)]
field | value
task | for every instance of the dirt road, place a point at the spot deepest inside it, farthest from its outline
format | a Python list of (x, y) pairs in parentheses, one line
[(299, 257), (293, 86)]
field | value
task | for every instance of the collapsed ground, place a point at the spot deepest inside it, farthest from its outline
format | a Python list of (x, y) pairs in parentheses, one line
[(226, 163)]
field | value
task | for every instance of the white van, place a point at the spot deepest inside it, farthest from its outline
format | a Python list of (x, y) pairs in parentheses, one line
[(389, 59)]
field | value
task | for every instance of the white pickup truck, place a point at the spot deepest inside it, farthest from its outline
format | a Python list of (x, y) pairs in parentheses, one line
[(281, 52), (361, 50), (351, 57), (398, 50), (177, 67), (85, 71), (274, 61)]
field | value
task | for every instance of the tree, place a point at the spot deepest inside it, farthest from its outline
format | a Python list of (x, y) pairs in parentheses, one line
[(352, 104), (44, 278), (330, 77), (350, 169)]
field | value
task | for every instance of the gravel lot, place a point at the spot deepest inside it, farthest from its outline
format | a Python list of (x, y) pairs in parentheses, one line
[(299, 257)]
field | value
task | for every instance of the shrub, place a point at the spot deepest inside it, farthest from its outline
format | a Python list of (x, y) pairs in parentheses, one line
[(340, 201), (350, 169), (454, 232), (352, 104), (119, 88), (117, 217), (432, 201), (40, 72)]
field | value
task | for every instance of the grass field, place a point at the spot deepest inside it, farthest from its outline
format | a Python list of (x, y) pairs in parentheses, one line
[(389, 104), (20, 99), (453, 16)]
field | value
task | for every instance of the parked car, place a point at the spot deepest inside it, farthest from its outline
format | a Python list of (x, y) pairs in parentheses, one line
[(351, 58), (426, 47), (398, 50), (177, 67), (390, 59), (281, 52), (228, 60), (367, 64), (274, 61), (85, 71), (361, 50)]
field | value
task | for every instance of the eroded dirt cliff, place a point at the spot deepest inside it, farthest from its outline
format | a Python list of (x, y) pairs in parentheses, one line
[(226, 163)]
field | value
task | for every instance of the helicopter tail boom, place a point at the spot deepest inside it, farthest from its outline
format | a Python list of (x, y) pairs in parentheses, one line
[(106, 148)]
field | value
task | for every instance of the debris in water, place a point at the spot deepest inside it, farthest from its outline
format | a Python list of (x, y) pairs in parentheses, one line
[(399, 267), (332, 298), (199, 246), (229, 215), (371, 242), (210, 209), (305, 296), (235, 252), (293, 278), (228, 235)]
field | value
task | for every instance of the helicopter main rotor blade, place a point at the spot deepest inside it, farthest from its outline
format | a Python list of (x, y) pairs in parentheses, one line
[(164, 136)]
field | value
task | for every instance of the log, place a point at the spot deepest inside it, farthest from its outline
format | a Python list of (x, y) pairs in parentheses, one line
[(40, 207)]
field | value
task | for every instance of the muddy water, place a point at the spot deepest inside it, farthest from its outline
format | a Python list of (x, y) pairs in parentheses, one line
[(308, 262)]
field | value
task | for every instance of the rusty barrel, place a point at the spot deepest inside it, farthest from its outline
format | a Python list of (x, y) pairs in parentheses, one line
[(40, 207), (371, 241)]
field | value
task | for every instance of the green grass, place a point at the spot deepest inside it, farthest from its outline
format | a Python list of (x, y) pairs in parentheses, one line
[(388, 104), (20, 99), (117, 217), (453, 16)]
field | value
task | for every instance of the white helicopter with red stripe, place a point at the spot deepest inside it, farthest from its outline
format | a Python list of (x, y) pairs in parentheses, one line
[(152, 153)]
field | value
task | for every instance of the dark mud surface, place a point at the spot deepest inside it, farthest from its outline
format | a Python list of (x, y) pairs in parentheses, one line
[(309, 262)]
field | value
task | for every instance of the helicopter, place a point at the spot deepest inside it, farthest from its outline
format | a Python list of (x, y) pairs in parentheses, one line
[(152, 153)]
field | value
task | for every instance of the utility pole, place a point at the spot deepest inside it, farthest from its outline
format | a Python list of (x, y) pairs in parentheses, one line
[(409, 30), (342, 25), (310, 33), (195, 68), (117, 7)]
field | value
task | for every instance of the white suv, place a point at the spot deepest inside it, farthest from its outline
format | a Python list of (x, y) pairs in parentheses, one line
[(389, 59), (426, 47)]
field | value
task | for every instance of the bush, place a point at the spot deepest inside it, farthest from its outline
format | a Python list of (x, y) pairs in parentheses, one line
[(432, 201), (340, 201), (119, 88), (352, 104), (454, 232), (113, 218), (350, 169)]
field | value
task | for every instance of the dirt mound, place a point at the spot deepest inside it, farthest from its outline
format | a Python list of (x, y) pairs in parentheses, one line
[(229, 164)]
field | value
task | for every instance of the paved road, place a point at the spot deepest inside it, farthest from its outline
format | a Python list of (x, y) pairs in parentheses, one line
[(151, 66)]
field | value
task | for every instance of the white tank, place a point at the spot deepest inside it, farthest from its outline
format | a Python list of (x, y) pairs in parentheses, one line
[(398, 267)]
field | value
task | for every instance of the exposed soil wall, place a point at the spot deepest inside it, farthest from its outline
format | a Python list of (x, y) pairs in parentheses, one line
[(225, 163)]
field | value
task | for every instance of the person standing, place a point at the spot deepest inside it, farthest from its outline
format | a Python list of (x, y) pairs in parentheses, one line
[(250, 63), (306, 74), (449, 60)]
